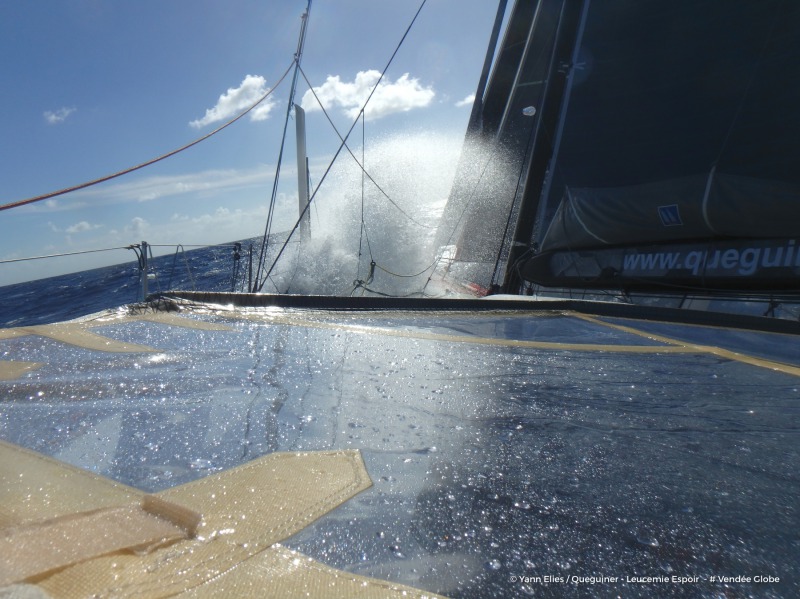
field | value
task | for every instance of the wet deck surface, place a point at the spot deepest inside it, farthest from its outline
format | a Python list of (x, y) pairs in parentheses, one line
[(501, 445)]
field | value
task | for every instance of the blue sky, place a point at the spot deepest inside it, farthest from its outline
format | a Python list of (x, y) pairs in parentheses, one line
[(95, 86)]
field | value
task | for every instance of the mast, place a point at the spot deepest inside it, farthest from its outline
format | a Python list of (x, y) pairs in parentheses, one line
[(259, 284), (302, 173)]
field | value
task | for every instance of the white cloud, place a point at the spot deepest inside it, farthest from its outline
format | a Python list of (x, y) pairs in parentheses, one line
[(82, 227), (138, 228), (400, 96), (217, 225), (145, 189), (235, 100), (222, 219), (59, 116), (156, 187), (468, 101), (49, 206), (153, 188)]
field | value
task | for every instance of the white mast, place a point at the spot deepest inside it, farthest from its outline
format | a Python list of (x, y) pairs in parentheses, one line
[(302, 173)]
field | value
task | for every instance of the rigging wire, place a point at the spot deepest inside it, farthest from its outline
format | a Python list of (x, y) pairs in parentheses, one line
[(154, 272), (363, 226), (363, 161), (149, 162), (344, 140), (126, 247), (196, 245)]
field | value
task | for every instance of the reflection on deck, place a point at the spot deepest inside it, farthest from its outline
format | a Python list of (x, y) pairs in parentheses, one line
[(526, 443)]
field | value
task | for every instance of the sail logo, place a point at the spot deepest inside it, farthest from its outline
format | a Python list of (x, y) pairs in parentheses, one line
[(670, 215), (720, 261)]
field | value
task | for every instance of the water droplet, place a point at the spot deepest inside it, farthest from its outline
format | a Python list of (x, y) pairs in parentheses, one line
[(648, 541), (201, 464)]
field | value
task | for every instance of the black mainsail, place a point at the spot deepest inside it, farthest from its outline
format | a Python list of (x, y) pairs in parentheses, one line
[(663, 152)]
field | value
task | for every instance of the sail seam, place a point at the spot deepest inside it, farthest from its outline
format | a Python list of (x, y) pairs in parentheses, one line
[(706, 195), (580, 220)]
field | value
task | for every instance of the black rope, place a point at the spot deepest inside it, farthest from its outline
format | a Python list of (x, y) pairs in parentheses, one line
[(371, 277), (376, 292), (422, 272)]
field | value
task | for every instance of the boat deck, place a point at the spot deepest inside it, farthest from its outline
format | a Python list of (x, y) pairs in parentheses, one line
[(509, 450)]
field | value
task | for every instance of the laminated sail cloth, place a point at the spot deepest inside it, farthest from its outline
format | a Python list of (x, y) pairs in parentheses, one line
[(696, 207), (212, 537)]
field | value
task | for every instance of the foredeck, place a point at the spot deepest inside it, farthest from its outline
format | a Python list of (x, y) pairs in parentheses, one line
[(504, 446)]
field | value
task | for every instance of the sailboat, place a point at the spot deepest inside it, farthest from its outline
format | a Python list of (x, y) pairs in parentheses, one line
[(252, 444)]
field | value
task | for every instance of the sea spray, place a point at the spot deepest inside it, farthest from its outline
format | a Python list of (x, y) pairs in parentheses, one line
[(478, 213), (411, 176)]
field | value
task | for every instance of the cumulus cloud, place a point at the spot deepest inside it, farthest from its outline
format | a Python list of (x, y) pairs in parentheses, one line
[(468, 101), (402, 95), (82, 227), (237, 99), (138, 227), (58, 116), (217, 225)]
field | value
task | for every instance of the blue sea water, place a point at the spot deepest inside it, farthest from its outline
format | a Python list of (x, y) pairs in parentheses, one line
[(76, 294)]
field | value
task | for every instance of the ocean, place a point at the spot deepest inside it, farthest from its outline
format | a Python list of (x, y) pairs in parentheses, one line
[(77, 294)]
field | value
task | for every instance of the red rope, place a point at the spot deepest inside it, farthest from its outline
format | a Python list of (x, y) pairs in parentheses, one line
[(144, 164)]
